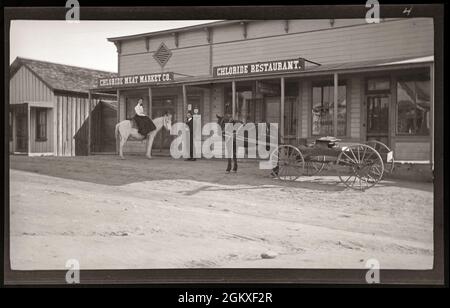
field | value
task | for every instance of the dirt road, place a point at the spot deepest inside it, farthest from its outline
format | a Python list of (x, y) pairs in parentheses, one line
[(165, 213)]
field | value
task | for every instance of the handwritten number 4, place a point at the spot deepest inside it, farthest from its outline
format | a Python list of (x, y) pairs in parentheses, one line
[(407, 11)]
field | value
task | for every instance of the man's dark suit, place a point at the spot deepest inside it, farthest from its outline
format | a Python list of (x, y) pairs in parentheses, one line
[(190, 124)]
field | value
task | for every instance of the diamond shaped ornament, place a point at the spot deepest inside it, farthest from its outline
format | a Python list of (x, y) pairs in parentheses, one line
[(162, 54)]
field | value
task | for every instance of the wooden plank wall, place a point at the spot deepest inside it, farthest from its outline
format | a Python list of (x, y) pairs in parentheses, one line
[(72, 113), (104, 119), (305, 115), (25, 86), (348, 40), (412, 150), (401, 38), (355, 86)]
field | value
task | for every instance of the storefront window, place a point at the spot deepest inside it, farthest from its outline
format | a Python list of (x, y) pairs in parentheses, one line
[(323, 110), (290, 109), (413, 106), (245, 104)]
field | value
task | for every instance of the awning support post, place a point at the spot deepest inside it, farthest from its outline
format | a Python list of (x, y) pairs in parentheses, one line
[(282, 110), (335, 105), (89, 123), (184, 102), (150, 103), (233, 98)]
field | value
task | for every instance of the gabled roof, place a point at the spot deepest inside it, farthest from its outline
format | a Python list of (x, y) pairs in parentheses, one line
[(61, 77)]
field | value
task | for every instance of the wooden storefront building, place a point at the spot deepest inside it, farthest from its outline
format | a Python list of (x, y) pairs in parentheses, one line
[(343, 78), (49, 109)]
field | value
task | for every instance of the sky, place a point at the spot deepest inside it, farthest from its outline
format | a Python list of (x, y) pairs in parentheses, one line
[(80, 44)]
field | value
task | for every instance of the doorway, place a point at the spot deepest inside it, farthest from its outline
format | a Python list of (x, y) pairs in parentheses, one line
[(21, 118), (378, 118), (161, 105)]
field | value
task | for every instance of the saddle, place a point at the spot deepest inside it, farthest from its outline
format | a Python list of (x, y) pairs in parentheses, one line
[(133, 123), (143, 124)]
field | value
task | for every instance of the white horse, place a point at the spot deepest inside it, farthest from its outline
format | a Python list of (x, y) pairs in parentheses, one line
[(125, 131)]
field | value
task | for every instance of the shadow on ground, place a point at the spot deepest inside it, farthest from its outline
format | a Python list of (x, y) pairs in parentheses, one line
[(110, 170)]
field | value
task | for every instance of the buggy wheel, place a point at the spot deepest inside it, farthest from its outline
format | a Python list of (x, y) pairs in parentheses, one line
[(314, 165), (359, 166), (288, 161), (386, 154)]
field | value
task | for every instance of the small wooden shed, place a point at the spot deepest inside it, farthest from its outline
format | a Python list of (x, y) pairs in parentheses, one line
[(49, 109)]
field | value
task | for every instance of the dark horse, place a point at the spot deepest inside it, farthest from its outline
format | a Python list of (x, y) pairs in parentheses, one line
[(222, 121)]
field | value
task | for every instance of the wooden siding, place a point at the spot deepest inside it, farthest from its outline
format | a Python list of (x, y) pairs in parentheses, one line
[(41, 146), (25, 86), (304, 25), (412, 151), (348, 41), (228, 33), (180, 62), (192, 38), (71, 114), (354, 106), (104, 120), (305, 106), (403, 38)]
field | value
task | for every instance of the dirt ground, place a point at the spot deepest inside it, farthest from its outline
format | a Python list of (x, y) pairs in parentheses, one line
[(166, 213)]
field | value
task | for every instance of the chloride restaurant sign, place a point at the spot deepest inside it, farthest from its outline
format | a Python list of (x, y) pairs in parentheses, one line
[(267, 67), (135, 80)]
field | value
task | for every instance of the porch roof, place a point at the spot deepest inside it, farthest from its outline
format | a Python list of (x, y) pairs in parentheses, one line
[(344, 67), (32, 104)]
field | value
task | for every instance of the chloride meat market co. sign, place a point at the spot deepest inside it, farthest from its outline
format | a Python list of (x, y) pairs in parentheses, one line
[(135, 80)]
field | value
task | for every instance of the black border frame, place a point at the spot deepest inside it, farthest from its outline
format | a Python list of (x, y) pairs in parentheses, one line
[(436, 276)]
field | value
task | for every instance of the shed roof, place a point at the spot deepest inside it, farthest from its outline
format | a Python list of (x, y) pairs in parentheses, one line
[(60, 76)]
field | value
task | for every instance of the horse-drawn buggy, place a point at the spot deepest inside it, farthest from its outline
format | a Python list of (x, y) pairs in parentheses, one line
[(358, 166)]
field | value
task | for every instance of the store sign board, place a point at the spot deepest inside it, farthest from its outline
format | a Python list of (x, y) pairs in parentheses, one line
[(135, 80), (267, 88), (267, 67)]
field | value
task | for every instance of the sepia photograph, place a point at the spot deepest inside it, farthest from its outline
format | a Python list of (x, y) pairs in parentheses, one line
[(223, 143)]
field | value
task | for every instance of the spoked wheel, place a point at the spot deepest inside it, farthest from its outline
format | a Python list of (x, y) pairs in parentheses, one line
[(288, 162), (314, 165), (359, 166), (386, 154)]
